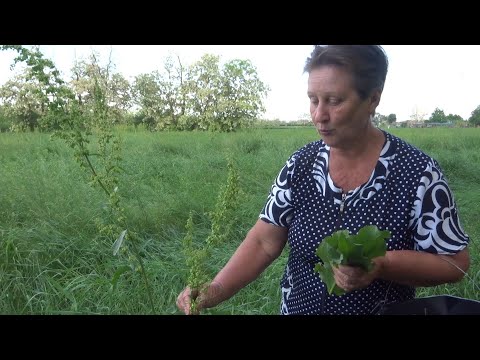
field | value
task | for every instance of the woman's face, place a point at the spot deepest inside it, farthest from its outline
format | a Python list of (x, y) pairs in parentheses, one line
[(338, 113)]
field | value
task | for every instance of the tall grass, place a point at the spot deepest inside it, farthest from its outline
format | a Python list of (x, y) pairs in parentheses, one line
[(53, 261)]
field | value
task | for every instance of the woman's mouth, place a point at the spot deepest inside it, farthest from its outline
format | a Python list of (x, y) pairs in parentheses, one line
[(325, 132)]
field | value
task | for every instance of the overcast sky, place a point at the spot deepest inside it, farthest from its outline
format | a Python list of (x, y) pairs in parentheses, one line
[(420, 77)]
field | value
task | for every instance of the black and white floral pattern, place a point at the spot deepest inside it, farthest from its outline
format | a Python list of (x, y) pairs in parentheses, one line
[(434, 215)]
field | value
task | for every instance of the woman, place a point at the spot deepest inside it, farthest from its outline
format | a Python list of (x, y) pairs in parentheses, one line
[(356, 175)]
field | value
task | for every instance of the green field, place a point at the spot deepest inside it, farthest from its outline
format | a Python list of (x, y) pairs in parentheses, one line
[(54, 261)]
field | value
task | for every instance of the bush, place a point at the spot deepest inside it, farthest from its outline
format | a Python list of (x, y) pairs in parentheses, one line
[(5, 123)]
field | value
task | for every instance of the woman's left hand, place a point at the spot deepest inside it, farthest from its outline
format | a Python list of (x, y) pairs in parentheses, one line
[(351, 278)]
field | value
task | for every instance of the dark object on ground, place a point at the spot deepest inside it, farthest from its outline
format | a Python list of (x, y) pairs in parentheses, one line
[(433, 305)]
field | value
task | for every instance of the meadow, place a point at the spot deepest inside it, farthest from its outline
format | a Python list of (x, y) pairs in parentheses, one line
[(54, 261)]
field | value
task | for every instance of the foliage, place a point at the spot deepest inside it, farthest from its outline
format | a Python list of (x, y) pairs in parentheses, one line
[(147, 95), (89, 77), (391, 118), (222, 219), (203, 96), (341, 248), (438, 116), (38, 91), (5, 122), (379, 119), (23, 102), (241, 96), (474, 119), (457, 120), (74, 125), (454, 118)]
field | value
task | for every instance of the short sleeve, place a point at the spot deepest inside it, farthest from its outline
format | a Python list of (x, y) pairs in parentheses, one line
[(434, 216), (278, 209)]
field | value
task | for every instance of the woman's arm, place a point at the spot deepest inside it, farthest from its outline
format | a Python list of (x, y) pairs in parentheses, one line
[(407, 267), (262, 245), (418, 268)]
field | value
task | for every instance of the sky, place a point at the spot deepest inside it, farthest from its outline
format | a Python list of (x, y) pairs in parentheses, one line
[(420, 77)]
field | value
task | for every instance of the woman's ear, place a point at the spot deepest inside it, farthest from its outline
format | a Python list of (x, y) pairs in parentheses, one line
[(375, 100)]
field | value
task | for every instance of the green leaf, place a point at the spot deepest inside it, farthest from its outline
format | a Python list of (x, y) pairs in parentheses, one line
[(343, 244), (60, 290), (329, 252), (337, 290), (118, 243), (326, 274), (117, 275), (354, 250), (373, 241), (356, 258)]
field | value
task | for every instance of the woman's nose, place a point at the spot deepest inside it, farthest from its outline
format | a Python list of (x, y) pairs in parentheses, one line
[(320, 114)]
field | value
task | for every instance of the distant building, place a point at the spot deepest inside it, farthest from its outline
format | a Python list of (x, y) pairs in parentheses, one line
[(423, 124), (415, 123), (440, 124)]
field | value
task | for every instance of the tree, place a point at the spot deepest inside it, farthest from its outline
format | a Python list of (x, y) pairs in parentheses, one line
[(43, 79), (172, 92), (224, 98), (119, 92), (32, 97), (163, 96), (204, 86), (89, 76), (5, 121), (24, 101), (457, 120), (157, 99), (379, 119), (392, 118), (474, 119), (454, 118), (438, 116), (146, 94), (241, 96)]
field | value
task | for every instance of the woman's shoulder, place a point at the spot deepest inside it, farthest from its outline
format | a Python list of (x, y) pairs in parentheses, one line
[(303, 157), (309, 151), (405, 150)]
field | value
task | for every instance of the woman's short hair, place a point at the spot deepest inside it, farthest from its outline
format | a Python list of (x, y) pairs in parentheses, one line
[(368, 64)]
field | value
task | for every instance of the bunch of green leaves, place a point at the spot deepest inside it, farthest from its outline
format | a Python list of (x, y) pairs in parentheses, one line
[(341, 248)]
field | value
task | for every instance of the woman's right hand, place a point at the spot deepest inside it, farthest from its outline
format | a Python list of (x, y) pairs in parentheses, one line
[(209, 296)]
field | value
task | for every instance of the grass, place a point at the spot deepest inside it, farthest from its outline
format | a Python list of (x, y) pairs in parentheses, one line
[(53, 260)]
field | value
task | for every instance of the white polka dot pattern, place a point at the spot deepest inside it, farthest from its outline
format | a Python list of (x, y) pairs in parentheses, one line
[(407, 194)]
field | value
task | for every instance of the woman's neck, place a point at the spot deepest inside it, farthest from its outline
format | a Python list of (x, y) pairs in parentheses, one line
[(371, 141), (352, 167)]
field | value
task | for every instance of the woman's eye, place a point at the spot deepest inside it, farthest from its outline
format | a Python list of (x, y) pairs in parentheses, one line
[(334, 101)]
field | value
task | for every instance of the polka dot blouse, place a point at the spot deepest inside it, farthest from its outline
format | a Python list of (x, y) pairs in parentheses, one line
[(406, 194)]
